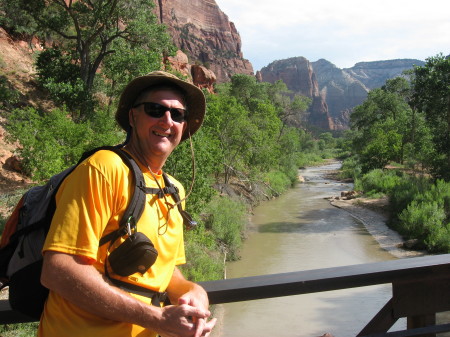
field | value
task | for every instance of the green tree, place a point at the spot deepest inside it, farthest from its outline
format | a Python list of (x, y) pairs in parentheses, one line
[(265, 150), (431, 95), (247, 90), (88, 31), (60, 76), (383, 125), (228, 121), (51, 142)]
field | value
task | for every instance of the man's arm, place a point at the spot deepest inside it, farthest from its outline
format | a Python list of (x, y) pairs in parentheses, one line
[(182, 291), (75, 279)]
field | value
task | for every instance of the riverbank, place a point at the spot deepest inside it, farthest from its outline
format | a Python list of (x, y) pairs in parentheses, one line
[(373, 214)]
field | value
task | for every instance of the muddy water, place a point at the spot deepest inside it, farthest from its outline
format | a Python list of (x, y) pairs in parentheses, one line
[(302, 231)]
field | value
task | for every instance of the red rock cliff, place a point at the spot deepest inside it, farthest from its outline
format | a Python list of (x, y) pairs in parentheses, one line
[(204, 33), (298, 75)]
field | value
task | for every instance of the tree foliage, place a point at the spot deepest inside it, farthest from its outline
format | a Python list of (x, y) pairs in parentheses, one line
[(89, 32), (387, 128), (50, 142), (431, 97)]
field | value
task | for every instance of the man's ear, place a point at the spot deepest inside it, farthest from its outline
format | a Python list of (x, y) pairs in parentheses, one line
[(131, 117)]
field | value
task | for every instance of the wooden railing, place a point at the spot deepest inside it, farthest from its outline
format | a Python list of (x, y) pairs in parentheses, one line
[(420, 289)]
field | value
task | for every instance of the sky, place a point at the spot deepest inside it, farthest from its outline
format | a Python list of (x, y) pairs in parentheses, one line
[(343, 32)]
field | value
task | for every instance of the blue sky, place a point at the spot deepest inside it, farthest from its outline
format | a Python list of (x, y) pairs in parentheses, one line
[(343, 32)]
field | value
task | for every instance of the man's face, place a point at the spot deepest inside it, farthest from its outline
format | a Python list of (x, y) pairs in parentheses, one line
[(158, 137)]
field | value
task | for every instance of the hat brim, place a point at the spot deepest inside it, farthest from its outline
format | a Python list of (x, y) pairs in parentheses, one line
[(195, 99)]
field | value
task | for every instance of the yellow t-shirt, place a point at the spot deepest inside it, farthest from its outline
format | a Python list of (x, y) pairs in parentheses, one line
[(90, 204)]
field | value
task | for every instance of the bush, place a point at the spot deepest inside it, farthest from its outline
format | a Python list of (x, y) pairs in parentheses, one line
[(427, 217), (379, 181), (51, 142), (425, 221), (226, 219), (204, 261), (278, 182), (351, 169), (405, 191), (8, 95), (306, 159), (18, 330)]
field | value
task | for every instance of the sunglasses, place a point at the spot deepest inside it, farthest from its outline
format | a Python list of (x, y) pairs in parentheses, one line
[(156, 110)]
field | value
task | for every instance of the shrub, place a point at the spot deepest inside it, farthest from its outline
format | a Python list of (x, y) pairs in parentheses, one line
[(226, 219), (19, 330), (426, 221), (60, 76), (204, 263), (378, 181), (278, 182), (405, 191), (310, 158), (8, 95), (50, 142), (427, 217), (351, 169)]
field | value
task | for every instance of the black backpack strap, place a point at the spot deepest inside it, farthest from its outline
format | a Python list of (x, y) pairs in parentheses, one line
[(161, 192), (188, 222), (156, 297), (137, 201)]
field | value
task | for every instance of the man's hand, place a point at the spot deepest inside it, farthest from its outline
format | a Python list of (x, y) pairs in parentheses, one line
[(194, 299), (203, 327), (184, 320)]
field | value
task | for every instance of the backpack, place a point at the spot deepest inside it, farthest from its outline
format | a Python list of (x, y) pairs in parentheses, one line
[(27, 227)]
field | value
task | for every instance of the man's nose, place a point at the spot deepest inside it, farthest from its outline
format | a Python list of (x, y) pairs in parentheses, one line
[(166, 118)]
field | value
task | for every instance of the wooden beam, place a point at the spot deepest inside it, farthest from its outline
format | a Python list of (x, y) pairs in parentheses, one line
[(319, 280), (382, 321)]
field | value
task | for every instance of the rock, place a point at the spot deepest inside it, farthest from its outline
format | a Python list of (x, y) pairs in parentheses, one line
[(203, 78), (299, 77), (410, 244), (13, 164), (180, 62), (347, 195), (205, 34)]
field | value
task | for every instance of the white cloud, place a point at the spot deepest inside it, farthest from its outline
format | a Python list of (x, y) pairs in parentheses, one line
[(343, 32)]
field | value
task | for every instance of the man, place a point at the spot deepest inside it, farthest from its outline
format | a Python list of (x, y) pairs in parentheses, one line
[(157, 111)]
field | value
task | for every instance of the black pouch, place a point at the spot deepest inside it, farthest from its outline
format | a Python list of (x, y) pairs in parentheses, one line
[(135, 255)]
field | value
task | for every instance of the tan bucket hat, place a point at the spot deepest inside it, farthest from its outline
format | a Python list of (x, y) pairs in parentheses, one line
[(195, 99)]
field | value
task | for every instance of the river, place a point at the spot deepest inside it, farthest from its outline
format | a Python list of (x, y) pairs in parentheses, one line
[(301, 231)]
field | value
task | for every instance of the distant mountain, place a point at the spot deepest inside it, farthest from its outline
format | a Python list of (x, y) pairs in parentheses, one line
[(339, 89), (343, 89), (374, 74), (207, 39), (298, 75)]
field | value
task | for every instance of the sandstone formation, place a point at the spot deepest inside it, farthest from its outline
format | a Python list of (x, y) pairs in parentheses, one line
[(201, 76), (344, 89), (374, 74), (297, 73), (204, 33), (342, 92), (335, 92)]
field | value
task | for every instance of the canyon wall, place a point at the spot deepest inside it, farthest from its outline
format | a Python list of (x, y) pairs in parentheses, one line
[(335, 92), (205, 34), (298, 75)]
